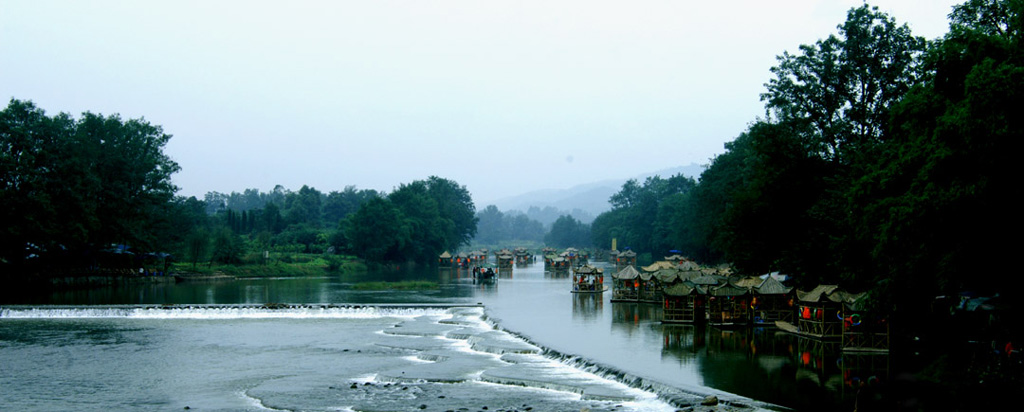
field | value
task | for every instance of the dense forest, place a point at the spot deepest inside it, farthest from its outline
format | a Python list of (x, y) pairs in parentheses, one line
[(81, 195), (884, 162)]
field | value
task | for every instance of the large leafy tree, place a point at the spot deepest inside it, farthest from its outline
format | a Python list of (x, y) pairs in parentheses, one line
[(80, 185), (568, 232), (427, 227), (633, 218), (838, 90), (378, 231), (937, 203), (455, 205)]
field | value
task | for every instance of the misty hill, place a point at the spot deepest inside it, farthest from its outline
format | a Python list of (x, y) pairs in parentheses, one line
[(589, 198)]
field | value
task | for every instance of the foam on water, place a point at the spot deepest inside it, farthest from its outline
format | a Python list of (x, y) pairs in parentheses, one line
[(543, 370), (219, 312)]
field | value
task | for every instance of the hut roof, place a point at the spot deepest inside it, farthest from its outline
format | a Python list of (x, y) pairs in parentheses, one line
[(690, 274), (816, 294), (613, 252), (462, 255), (667, 276), (659, 265), (589, 270), (628, 253), (749, 282), (708, 280), (629, 272), (675, 258), (446, 255), (828, 292), (728, 289), (778, 276), (771, 286), (682, 289), (688, 265), (505, 256)]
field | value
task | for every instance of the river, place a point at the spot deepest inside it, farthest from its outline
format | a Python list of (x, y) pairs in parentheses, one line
[(520, 342)]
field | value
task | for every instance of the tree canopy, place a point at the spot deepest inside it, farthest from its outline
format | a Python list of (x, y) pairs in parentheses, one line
[(68, 186)]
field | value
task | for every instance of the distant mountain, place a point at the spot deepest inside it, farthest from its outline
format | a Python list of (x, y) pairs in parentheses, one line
[(591, 198)]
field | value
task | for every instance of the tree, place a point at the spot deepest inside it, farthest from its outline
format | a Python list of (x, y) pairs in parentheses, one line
[(338, 205), (942, 193), (427, 227), (198, 244), (378, 231), (80, 185), (491, 226), (304, 206), (455, 205), (839, 90), (568, 232)]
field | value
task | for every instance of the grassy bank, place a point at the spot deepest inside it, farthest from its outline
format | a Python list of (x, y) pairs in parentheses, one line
[(300, 266)]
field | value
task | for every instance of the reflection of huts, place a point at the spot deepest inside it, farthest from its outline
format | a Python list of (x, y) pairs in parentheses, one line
[(727, 304), (587, 279), (820, 311), (625, 258), (771, 302), (445, 260), (863, 330), (684, 303), (626, 285)]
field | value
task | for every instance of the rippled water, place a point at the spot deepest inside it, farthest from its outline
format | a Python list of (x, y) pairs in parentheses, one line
[(228, 354)]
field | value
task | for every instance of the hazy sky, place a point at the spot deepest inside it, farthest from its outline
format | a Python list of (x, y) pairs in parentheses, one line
[(503, 97)]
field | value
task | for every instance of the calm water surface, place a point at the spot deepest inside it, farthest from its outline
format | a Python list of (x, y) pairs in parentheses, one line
[(229, 359)]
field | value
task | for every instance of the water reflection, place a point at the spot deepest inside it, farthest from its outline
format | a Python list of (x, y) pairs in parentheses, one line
[(777, 367), (587, 306), (628, 316), (683, 342), (760, 363)]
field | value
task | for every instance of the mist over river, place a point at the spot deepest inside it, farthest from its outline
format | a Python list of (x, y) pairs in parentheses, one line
[(521, 342)]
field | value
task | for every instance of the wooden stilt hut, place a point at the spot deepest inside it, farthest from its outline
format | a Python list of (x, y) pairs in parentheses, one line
[(771, 302), (727, 305), (478, 257), (863, 330), (820, 311), (684, 303), (588, 279), (445, 260), (625, 258), (462, 260), (626, 285), (505, 260), (613, 256), (584, 257), (652, 284)]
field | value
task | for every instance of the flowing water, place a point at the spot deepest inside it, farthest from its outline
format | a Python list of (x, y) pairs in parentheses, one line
[(520, 342)]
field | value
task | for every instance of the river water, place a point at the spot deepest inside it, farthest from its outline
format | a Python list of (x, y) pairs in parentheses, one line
[(520, 342)]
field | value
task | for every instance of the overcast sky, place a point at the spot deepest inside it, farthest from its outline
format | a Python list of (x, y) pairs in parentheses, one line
[(503, 97)]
